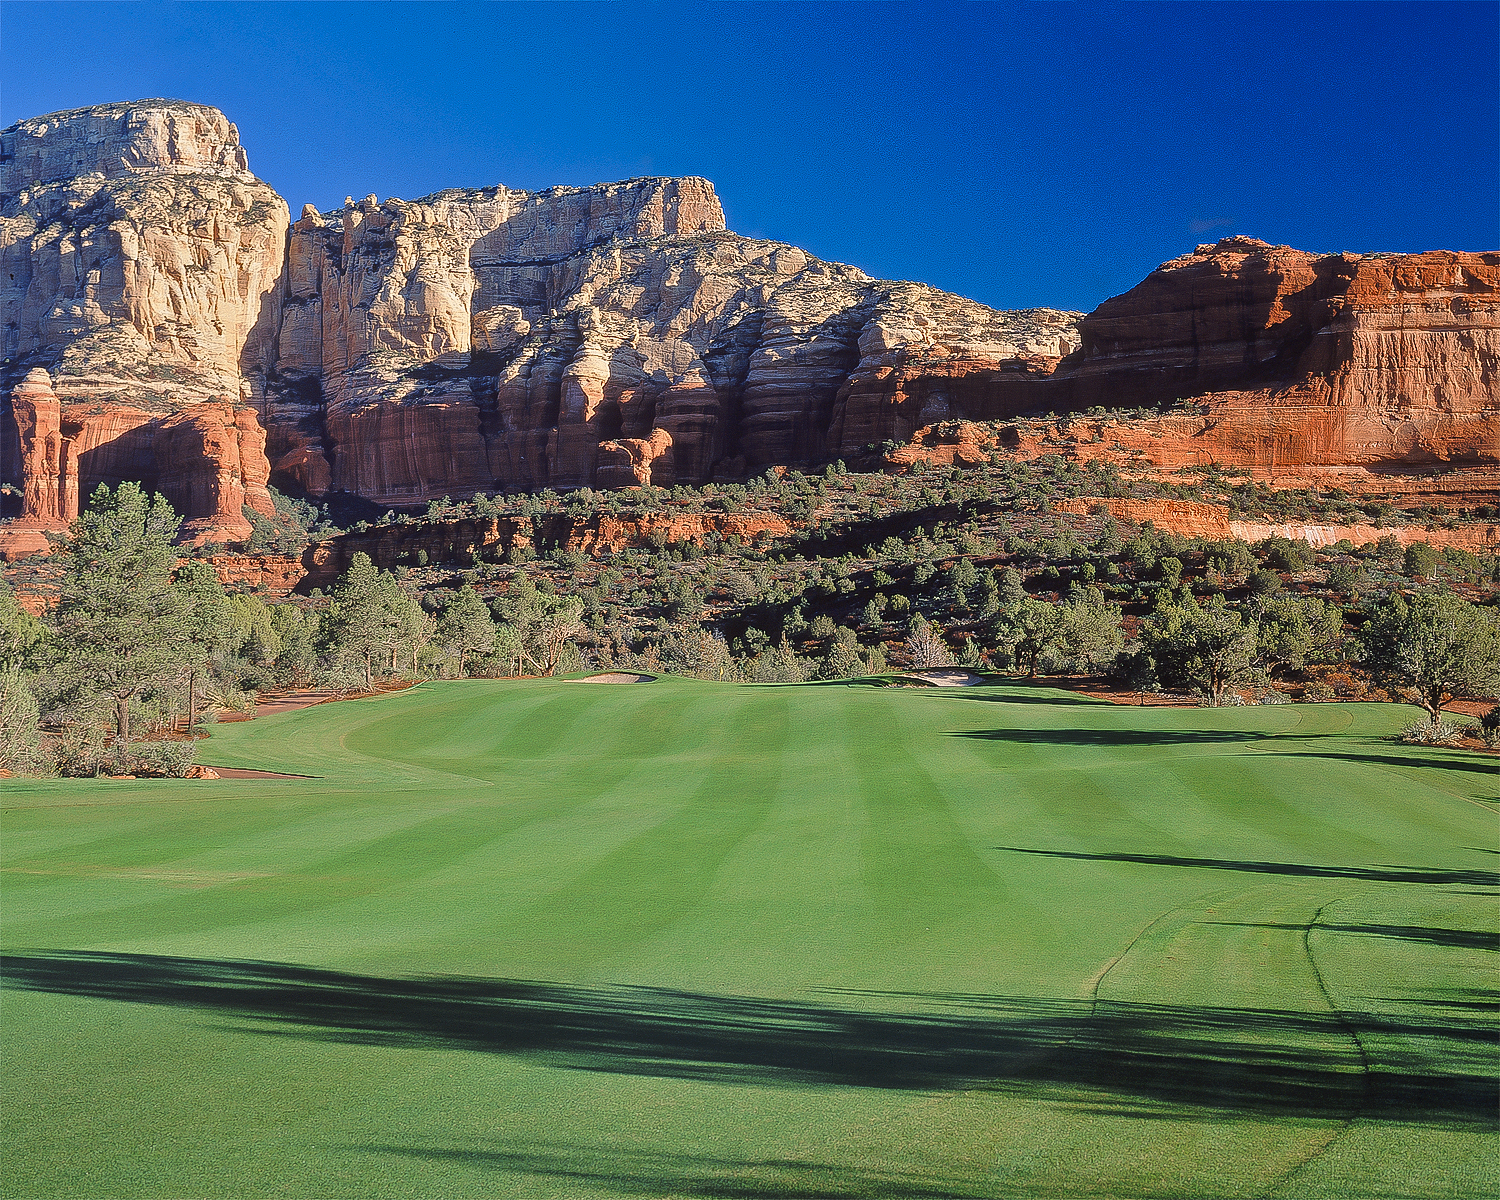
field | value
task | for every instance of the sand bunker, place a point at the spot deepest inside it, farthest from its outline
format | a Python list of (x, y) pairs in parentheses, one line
[(947, 677), (616, 677), (248, 773)]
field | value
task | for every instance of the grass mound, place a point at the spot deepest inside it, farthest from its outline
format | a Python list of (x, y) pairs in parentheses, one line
[(524, 938)]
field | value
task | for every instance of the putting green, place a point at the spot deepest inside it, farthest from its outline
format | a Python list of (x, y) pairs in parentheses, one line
[(692, 939)]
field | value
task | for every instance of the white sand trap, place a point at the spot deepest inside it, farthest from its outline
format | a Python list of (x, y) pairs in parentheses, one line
[(947, 677), (616, 677)]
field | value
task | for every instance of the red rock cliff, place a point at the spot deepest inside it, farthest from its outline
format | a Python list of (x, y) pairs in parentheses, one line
[(1377, 362), (143, 267), (485, 339)]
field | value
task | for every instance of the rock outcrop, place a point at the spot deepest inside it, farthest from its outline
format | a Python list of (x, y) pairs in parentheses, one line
[(619, 335), (1370, 372), (473, 539), (1323, 364), (603, 336), (1189, 518), (49, 470), (623, 354), (141, 268)]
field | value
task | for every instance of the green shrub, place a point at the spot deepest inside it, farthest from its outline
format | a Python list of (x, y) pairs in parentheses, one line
[(170, 759), (1287, 554)]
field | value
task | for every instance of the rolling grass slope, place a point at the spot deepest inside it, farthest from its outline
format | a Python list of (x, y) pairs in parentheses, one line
[(690, 939)]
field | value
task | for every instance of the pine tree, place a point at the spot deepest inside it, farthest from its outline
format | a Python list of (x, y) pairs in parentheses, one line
[(296, 631), (408, 628), (121, 628), (354, 622), (21, 634), (464, 628), (207, 625)]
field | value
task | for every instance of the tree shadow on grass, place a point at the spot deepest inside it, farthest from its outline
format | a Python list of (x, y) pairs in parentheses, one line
[(1117, 737), (1470, 939), (657, 1174), (1142, 1060), (1424, 758), (1302, 745), (1383, 874)]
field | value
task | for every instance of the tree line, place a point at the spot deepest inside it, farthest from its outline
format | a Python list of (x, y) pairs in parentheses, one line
[(141, 644)]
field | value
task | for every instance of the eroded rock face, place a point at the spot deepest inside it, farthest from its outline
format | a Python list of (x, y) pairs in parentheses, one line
[(141, 269), (1369, 372), (605, 336), (618, 335), (118, 139), (49, 470), (1189, 518), (1304, 363), (473, 539)]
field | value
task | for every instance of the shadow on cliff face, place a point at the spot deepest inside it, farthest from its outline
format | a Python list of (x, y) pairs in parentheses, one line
[(1130, 1059)]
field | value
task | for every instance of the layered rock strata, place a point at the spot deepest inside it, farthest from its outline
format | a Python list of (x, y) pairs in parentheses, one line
[(1349, 363), (141, 266), (643, 357), (604, 336), (1368, 372), (1189, 518), (208, 460), (618, 335)]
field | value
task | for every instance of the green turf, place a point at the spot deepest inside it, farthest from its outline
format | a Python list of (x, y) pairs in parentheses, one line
[(691, 939)]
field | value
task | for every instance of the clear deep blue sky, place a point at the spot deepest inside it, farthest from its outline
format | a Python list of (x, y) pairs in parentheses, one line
[(1022, 154)]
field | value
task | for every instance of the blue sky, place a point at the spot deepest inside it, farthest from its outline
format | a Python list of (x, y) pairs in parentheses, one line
[(1022, 154)]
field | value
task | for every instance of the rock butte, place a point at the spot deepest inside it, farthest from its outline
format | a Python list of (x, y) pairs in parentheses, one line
[(165, 321)]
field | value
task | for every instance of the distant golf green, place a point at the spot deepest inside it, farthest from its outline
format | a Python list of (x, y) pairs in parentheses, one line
[(694, 939)]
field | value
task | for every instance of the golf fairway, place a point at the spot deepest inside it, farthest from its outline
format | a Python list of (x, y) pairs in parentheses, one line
[(694, 939)]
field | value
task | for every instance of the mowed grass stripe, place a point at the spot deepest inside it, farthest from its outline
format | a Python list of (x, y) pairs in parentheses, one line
[(779, 941), (657, 878)]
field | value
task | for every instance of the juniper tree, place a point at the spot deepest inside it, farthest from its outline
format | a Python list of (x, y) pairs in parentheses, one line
[(1438, 644), (1029, 628), (20, 734), (925, 646), (1211, 648), (1294, 631), (841, 662), (1089, 630)]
